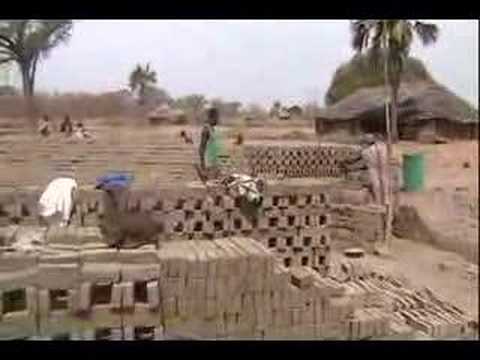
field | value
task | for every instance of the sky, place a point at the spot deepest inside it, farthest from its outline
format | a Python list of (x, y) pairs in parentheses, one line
[(246, 60)]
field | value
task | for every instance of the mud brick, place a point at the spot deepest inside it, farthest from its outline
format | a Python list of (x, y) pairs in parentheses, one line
[(18, 323), (226, 258), (153, 295), (171, 287), (128, 298), (354, 329), (301, 278), (325, 288), (295, 315), (277, 298), (211, 271), (257, 266), (84, 303), (293, 297), (200, 268), (239, 223), (228, 203), (221, 292), (58, 276), (210, 307), (308, 316), (136, 272), (220, 328), (182, 306), (230, 323), (169, 306), (280, 277), (181, 258), (319, 311)]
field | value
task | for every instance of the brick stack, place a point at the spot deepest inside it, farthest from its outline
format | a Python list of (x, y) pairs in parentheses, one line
[(297, 161), (225, 288)]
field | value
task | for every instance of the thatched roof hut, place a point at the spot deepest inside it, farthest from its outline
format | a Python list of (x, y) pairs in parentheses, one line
[(420, 105), (164, 114)]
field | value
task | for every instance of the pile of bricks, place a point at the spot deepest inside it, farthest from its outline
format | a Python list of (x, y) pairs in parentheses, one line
[(298, 161), (408, 310), (296, 216), (225, 288), (232, 287)]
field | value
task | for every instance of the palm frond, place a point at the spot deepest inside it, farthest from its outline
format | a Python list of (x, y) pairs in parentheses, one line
[(428, 33), (360, 33)]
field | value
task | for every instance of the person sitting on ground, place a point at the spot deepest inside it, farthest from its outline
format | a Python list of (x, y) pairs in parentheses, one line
[(44, 126), (66, 126), (81, 132), (186, 137)]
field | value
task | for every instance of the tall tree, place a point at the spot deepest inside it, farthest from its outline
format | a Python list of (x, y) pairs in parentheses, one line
[(26, 42), (141, 78), (389, 42)]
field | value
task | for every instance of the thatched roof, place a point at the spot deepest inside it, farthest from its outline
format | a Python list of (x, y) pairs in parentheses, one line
[(417, 102), (164, 111), (359, 73)]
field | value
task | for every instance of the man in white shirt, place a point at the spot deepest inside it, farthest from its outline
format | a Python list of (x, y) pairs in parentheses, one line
[(57, 201)]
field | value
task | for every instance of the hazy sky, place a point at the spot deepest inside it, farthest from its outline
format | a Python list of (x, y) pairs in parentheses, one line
[(246, 60)]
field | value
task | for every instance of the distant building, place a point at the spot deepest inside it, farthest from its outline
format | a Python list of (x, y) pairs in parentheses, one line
[(164, 114)]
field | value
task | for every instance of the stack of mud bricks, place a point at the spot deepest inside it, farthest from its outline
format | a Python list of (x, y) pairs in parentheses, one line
[(298, 221), (418, 310), (295, 225), (18, 296), (298, 161), (225, 288), (80, 293)]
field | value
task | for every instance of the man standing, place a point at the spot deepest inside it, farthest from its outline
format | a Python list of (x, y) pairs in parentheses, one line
[(374, 159), (374, 153), (210, 145)]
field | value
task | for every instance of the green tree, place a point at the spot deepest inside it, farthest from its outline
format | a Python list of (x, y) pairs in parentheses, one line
[(26, 42), (192, 104), (140, 80), (389, 42)]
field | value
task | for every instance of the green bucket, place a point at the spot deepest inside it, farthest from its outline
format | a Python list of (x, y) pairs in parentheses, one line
[(413, 172)]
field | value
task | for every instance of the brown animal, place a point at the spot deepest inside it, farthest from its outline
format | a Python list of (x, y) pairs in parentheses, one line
[(124, 229)]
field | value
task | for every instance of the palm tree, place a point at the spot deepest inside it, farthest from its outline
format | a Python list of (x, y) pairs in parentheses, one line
[(141, 78), (25, 42), (389, 42)]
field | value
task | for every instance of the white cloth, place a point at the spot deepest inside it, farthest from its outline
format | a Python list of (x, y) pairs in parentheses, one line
[(57, 199), (246, 186)]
